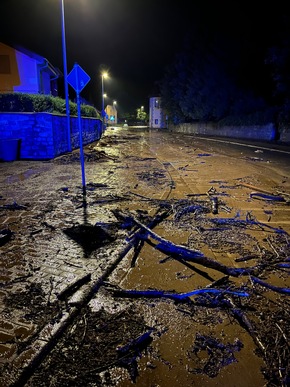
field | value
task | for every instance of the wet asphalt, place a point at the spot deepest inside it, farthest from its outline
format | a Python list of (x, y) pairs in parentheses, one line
[(42, 204)]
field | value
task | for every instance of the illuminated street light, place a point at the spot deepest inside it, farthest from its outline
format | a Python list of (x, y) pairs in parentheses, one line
[(115, 112), (65, 76), (104, 75)]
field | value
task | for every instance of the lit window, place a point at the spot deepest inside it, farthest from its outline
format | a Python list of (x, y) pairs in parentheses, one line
[(156, 103)]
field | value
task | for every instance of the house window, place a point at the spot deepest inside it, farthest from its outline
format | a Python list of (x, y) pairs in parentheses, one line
[(156, 103), (5, 64), (156, 121)]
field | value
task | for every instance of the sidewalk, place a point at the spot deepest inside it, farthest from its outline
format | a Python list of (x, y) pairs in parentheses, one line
[(39, 201), (54, 238)]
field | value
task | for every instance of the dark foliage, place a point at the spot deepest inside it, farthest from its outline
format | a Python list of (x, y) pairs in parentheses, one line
[(229, 74), (20, 102)]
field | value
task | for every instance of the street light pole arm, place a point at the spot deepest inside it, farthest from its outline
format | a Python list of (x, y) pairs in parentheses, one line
[(103, 105)]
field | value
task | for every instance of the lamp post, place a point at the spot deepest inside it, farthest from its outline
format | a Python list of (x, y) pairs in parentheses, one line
[(65, 76), (115, 111), (104, 75)]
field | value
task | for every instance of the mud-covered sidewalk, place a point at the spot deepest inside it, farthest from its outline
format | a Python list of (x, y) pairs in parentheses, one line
[(172, 268)]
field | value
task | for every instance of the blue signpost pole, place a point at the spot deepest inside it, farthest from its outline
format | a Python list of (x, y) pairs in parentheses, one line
[(81, 137), (81, 144), (78, 79)]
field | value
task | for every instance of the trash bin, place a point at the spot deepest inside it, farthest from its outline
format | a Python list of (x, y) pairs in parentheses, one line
[(9, 149)]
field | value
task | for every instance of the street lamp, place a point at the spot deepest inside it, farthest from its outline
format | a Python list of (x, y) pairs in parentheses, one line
[(65, 76), (115, 111), (104, 75)]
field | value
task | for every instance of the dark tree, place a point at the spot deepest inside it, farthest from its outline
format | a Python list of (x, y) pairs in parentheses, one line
[(220, 69)]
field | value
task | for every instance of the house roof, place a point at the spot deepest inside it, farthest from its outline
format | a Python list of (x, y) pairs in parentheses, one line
[(55, 71)]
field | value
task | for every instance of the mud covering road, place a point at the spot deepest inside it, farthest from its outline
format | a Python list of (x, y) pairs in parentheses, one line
[(172, 270)]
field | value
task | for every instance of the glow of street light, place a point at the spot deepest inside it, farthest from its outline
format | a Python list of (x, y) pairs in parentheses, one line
[(103, 75)]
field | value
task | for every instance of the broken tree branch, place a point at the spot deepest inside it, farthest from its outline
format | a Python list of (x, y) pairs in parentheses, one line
[(272, 287), (182, 252), (174, 296), (244, 321)]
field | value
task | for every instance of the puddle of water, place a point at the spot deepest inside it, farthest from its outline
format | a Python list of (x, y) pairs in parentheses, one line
[(24, 175)]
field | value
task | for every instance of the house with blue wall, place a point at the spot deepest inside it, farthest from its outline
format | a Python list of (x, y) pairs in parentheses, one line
[(33, 135), (24, 71)]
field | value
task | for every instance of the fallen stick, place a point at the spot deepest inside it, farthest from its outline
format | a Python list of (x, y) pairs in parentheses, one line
[(272, 287), (255, 188), (246, 258), (183, 253), (179, 251), (242, 318), (263, 196), (244, 223), (138, 241), (136, 344), (174, 296), (282, 194)]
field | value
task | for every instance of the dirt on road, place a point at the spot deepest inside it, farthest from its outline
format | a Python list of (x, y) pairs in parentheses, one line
[(172, 269)]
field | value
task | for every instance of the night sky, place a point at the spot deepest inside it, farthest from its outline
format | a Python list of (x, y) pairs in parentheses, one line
[(133, 39)]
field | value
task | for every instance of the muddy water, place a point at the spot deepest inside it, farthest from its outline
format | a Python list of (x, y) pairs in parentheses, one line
[(192, 167), (170, 361), (194, 344)]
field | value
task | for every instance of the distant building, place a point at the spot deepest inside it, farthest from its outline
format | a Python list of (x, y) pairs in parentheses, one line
[(24, 71), (157, 117), (111, 114)]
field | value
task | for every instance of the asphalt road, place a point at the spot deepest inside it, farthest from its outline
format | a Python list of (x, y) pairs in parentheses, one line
[(140, 172)]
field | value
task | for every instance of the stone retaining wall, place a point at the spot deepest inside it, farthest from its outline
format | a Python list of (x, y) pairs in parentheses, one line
[(44, 135), (258, 132)]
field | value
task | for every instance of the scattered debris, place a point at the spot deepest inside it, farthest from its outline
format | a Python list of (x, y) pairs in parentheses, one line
[(203, 154), (175, 296), (99, 342), (214, 205), (258, 195), (218, 355), (96, 342), (14, 206)]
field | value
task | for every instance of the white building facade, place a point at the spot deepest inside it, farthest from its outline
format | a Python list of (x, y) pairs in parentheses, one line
[(157, 117)]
